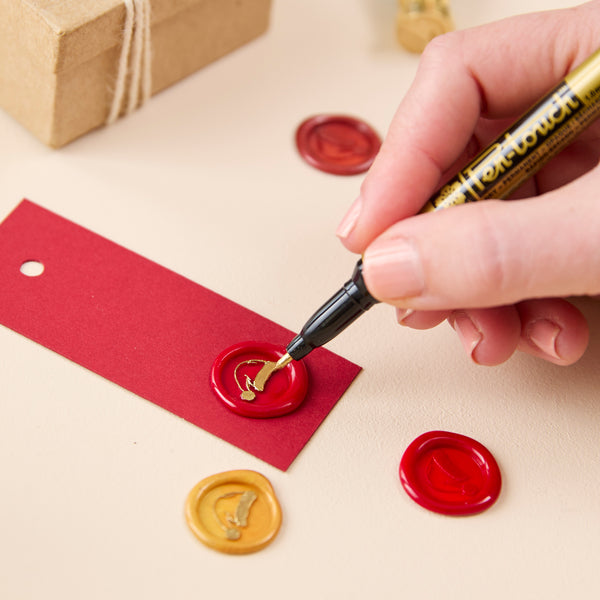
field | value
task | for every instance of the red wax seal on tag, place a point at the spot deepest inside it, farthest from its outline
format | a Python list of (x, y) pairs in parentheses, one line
[(337, 144), (243, 378), (450, 474)]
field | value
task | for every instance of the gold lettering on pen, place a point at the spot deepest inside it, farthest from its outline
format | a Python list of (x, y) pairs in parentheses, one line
[(452, 194), (510, 149)]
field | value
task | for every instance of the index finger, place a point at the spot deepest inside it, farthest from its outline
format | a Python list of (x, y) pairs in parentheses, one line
[(494, 71)]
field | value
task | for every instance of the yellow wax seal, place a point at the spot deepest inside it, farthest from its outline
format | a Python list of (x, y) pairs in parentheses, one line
[(235, 512)]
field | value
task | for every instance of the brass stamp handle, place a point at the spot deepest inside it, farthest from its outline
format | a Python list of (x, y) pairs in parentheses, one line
[(419, 21)]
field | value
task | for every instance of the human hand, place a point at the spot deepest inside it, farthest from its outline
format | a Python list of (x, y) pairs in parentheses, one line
[(498, 271)]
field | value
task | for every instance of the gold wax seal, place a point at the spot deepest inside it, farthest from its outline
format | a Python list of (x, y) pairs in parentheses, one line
[(235, 512), (419, 21)]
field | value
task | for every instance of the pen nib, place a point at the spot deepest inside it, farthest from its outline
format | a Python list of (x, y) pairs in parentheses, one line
[(284, 361)]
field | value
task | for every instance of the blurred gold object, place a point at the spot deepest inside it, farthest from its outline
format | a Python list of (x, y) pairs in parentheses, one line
[(419, 21), (235, 512)]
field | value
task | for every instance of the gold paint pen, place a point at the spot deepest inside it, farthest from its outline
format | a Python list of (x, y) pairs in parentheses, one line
[(517, 154), (523, 149)]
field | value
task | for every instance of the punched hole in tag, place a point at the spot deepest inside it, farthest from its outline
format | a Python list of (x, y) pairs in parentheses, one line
[(32, 268)]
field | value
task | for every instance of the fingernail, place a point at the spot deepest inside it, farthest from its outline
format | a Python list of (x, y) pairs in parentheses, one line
[(393, 270), (349, 221), (403, 313), (468, 333), (543, 334)]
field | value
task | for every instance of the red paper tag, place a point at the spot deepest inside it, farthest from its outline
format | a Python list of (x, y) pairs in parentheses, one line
[(149, 330)]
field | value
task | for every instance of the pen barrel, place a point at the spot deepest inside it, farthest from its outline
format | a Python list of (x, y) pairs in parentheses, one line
[(342, 309), (518, 153)]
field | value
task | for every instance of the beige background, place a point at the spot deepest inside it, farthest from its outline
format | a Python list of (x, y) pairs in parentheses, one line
[(94, 478)]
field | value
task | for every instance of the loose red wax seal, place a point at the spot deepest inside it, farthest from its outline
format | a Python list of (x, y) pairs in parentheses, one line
[(450, 474), (234, 381), (337, 144)]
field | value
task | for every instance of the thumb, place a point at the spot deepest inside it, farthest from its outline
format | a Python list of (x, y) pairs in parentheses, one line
[(491, 253)]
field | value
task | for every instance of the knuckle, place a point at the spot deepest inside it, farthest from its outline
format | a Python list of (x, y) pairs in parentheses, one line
[(444, 49), (493, 268)]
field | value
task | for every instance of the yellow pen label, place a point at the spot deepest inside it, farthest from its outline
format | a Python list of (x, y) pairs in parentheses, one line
[(585, 80), (526, 146)]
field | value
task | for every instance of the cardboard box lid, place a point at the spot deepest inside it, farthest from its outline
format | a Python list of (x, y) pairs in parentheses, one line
[(66, 33), (59, 58)]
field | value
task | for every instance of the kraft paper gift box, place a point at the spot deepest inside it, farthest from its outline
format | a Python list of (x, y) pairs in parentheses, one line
[(59, 59)]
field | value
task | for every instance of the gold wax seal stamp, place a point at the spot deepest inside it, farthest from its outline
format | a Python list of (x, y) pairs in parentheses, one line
[(419, 21), (235, 512)]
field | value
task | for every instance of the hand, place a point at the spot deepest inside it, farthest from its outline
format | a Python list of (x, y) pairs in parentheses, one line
[(497, 270)]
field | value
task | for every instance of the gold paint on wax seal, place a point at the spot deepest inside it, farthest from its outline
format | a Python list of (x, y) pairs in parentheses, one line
[(235, 512), (249, 386)]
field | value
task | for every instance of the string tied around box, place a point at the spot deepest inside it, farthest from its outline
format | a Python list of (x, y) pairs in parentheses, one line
[(134, 74)]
